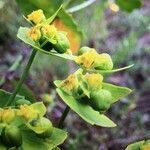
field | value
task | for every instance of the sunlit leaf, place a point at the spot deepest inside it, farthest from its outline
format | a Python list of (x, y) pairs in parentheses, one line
[(135, 146), (32, 142), (22, 35), (39, 107), (85, 111), (117, 92)]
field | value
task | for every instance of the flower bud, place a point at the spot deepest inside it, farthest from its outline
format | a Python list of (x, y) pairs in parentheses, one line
[(36, 16), (41, 126), (49, 30), (94, 80), (71, 83), (83, 50), (62, 44), (27, 112), (11, 136), (34, 34), (100, 100), (87, 59), (8, 115), (103, 62)]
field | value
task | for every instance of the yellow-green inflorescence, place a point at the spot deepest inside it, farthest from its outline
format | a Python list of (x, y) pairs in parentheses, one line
[(90, 59), (29, 117), (97, 97), (42, 32)]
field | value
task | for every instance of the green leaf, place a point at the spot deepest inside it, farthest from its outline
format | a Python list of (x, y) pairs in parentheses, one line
[(25, 91), (111, 71), (129, 5), (135, 146), (4, 96), (33, 142), (48, 6), (86, 112), (22, 35), (39, 107), (116, 91)]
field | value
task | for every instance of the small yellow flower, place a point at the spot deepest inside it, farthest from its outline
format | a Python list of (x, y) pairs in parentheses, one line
[(8, 115), (114, 7), (36, 16), (94, 80), (87, 59), (70, 83), (49, 30), (103, 61), (27, 112), (34, 33)]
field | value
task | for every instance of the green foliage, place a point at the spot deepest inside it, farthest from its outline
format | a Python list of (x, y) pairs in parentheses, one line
[(28, 129), (129, 5), (49, 6), (140, 145), (4, 96), (33, 142), (117, 92), (25, 91), (85, 111), (22, 36)]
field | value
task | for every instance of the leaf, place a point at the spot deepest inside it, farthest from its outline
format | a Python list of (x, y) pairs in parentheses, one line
[(65, 22), (33, 142), (116, 91), (111, 71), (39, 107), (135, 146), (86, 112), (22, 35), (25, 91), (48, 6), (4, 96), (129, 5)]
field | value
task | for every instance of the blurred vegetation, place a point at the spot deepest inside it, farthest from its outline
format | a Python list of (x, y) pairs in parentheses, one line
[(126, 36)]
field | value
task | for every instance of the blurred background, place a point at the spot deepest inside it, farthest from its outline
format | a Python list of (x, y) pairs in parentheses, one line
[(123, 34)]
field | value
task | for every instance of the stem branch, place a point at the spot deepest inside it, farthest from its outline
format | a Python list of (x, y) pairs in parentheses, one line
[(81, 6), (63, 117), (23, 77)]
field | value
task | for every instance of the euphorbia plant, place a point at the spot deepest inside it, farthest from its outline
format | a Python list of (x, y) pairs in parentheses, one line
[(23, 125)]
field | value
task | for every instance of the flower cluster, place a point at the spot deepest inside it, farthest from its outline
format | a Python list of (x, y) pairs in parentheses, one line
[(88, 87), (88, 58), (45, 34), (30, 117)]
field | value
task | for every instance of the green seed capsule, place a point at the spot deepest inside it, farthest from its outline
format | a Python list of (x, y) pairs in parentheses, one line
[(22, 102), (42, 127), (62, 44), (83, 50), (11, 136), (100, 100)]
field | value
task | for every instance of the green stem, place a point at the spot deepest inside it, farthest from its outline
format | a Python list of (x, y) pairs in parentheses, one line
[(63, 117), (81, 6), (23, 77)]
